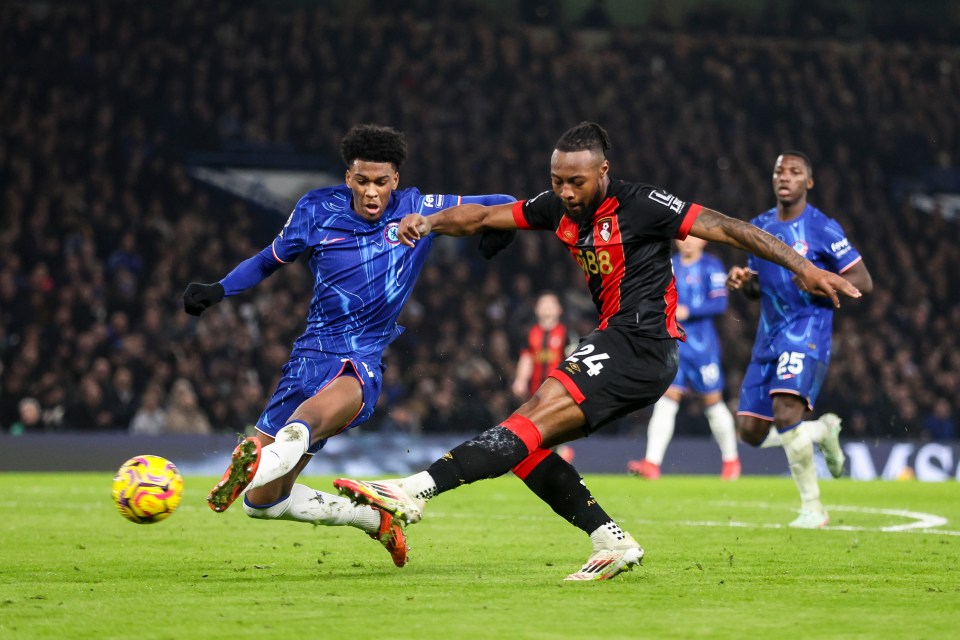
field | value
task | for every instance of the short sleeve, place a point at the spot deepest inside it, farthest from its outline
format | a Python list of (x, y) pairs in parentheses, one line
[(540, 212), (838, 253), (666, 214), (292, 239), (718, 279), (434, 202)]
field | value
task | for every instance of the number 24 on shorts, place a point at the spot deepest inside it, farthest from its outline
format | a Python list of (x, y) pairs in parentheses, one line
[(592, 362)]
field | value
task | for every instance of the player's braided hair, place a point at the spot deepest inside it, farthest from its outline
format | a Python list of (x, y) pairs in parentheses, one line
[(800, 154), (585, 136), (374, 143)]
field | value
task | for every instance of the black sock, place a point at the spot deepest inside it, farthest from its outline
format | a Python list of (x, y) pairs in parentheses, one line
[(491, 454), (557, 483)]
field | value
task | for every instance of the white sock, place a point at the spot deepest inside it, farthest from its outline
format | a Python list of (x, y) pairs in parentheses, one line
[(421, 486), (316, 507), (816, 429), (772, 440), (660, 429), (609, 536), (722, 426), (799, 449), (278, 458)]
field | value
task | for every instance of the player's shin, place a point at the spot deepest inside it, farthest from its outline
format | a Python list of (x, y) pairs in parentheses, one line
[(316, 507), (723, 429), (557, 483), (660, 429), (799, 449), (489, 455), (278, 458)]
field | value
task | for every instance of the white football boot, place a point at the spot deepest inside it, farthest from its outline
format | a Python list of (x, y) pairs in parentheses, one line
[(830, 446), (612, 554)]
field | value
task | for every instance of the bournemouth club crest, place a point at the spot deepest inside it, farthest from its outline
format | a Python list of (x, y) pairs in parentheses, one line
[(605, 229)]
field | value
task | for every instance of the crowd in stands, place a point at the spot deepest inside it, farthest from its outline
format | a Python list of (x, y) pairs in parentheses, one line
[(103, 228)]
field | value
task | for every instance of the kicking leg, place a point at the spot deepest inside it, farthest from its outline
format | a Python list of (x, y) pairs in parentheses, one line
[(303, 504), (551, 417), (261, 459), (557, 483)]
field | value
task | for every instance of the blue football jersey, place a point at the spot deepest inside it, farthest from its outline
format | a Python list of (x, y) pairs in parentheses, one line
[(702, 287), (362, 273), (788, 314)]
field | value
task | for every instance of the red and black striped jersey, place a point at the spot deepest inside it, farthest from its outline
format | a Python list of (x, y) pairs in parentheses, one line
[(624, 251), (547, 350)]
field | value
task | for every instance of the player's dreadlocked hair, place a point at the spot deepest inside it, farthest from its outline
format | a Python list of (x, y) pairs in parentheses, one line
[(374, 143), (585, 136), (802, 156)]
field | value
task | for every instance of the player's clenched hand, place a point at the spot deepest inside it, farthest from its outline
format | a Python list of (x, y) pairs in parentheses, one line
[(825, 283), (198, 297), (493, 241), (738, 277), (413, 227)]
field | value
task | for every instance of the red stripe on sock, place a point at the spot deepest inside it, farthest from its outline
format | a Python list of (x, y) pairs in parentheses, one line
[(528, 464), (524, 429)]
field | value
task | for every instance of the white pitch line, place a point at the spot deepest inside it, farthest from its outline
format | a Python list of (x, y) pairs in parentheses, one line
[(923, 522)]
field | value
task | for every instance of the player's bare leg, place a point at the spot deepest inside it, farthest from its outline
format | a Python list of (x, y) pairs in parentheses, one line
[(286, 499), (319, 417)]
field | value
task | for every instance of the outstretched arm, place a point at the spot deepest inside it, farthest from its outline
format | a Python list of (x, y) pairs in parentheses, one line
[(462, 220), (714, 226), (198, 296)]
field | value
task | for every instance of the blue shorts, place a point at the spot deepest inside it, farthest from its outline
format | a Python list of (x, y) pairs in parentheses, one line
[(793, 373), (699, 371), (304, 378)]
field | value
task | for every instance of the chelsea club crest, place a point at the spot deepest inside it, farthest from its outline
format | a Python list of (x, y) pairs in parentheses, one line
[(390, 233)]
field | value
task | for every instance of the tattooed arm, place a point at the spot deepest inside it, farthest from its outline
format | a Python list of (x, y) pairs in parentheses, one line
[(716, 227)]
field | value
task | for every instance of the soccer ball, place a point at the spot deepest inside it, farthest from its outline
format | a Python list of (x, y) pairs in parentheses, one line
[(147, 489)]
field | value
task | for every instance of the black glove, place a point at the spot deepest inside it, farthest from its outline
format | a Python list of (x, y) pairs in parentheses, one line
[(199, 296), (495, 241)]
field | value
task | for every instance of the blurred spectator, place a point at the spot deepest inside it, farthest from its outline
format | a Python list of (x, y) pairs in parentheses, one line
[(151, 418), (103, 103), (29, 421), (122, 397), (184, 415), (88, 410), (940, 425)]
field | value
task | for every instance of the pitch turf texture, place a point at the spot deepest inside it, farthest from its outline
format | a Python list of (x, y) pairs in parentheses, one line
[(486, 562)]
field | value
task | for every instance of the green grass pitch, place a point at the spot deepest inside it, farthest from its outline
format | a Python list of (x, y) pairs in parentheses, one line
[(487, 561)]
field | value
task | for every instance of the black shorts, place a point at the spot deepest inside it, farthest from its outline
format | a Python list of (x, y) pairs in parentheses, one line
[(615, 372)]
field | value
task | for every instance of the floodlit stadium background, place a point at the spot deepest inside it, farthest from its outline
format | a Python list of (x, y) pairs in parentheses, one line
[(149, 144)]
